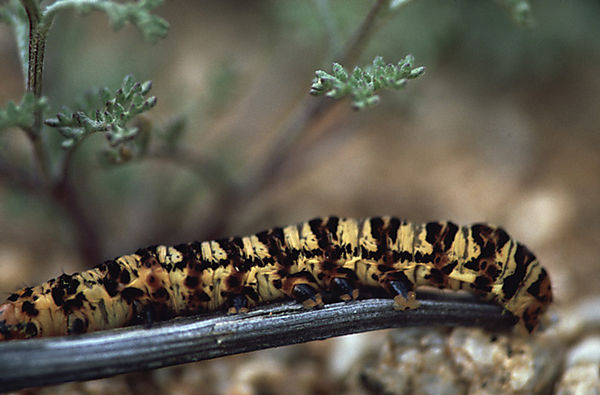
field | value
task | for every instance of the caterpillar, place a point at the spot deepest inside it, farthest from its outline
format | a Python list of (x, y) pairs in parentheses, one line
[(338, 255)]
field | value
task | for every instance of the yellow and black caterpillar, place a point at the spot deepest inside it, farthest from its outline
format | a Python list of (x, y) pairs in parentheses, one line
[(338, 255)]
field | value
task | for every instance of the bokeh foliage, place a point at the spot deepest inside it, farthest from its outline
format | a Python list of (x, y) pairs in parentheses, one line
[(499, 44)]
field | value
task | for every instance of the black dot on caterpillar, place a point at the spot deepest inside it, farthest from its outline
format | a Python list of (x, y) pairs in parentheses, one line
[(338, 255)]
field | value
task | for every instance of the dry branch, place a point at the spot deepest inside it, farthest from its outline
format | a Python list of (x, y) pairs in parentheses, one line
[(40, 362)]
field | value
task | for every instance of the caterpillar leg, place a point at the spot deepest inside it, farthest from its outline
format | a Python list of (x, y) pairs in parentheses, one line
[(77, 324), (341, 281), (303, 288), (237, 304), (307, 295), (344, 288), (404, 299), (398, 285), (239, 297), (147, 314)]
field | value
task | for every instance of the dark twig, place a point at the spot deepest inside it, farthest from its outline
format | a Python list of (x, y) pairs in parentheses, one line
[(102, 354)]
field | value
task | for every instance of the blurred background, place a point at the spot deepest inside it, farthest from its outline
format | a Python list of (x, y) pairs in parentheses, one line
[(504, 127)]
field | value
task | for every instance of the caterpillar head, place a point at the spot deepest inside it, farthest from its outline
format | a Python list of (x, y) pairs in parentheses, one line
[(13, 328)]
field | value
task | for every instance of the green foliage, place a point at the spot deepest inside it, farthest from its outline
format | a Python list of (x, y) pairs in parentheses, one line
[(21, 115), (137, 13), (343, 27), (362, 84), (119, 109)]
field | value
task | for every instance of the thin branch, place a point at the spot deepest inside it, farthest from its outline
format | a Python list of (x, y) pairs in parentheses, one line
[(311, 110), (308, 112), (363, 34), (59, 188), (35, 68), (102, 354)]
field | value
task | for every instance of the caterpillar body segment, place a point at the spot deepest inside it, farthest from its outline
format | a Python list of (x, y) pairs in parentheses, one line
[(339, 255)]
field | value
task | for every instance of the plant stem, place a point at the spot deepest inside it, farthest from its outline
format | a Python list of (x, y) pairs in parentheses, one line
[(355, 46), (307, 113), (35, 67), (311, 110), (59, 188), (183, 340)]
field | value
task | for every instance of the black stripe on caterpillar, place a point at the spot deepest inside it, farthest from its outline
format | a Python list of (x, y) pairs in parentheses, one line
[(339, 255)]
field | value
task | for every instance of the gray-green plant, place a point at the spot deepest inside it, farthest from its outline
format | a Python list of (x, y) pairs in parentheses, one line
[(32, 21), (117, 113), (363, 83), (113, 119), (112, 113)]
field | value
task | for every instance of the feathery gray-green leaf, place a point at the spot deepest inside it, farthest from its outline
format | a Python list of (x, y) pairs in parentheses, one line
[(363, 83), (21, 115), (137, 13), (119, 109)]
